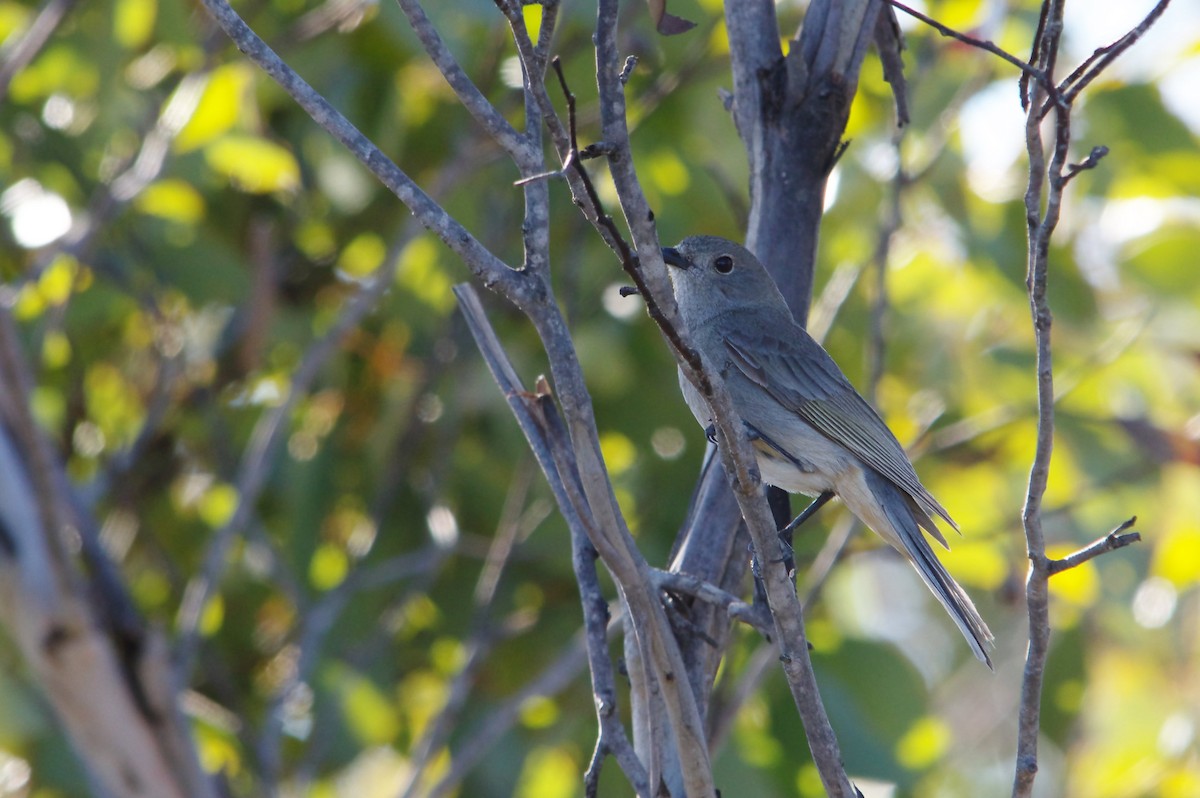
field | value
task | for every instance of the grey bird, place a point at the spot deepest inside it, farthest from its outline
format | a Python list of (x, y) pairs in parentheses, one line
[(811, 430)]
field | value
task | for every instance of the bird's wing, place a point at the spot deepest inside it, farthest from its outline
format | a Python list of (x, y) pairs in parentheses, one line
[(801, 376)]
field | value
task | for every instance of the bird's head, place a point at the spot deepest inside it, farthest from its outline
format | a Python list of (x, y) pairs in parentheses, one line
[(712, 275)]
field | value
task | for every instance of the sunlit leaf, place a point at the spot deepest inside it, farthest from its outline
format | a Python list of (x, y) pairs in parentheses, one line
[(13, 16), (133, 22), (220, 107), (668, 174), (57, 279), (113, 403), (1177, 555), (539, 712), (218, 751), (976, 562), (753, 734), (421, 274), (172, 199), (533, 19), (328, 566), (548, 773), (618, 451), (56, 350), (49, 407), (254, 165), (924, 743), (58, 69), (212, 617), (218, 504), (368, 712), (362, 256), (421, 695), (1079, 586)]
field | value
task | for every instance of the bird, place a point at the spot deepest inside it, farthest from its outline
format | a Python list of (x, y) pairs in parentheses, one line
[(812, 432)]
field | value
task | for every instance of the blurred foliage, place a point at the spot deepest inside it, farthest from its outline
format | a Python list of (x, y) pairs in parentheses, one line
[(164, 326)]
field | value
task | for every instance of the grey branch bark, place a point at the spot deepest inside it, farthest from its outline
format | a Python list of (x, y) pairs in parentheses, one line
[(1043, 206)]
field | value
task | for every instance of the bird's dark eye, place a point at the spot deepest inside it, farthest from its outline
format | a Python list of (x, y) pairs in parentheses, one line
[(723, 264)]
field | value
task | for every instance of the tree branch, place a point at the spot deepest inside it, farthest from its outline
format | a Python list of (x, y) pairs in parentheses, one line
[(492, 271), (1111, 542), (548, 438), (1043, 203)]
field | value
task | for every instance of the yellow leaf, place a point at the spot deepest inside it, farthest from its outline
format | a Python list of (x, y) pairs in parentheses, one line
[(960, 14), (548, 773), (1177, 555), (368, 712), (618, 451), (328, 566), (218, 109), (422, 695), (133, 22), (218, 504), (421, 274), (212, 616), (49, 407), (447, 655), (923, 744), (362, 256), (315, 240), (218, 753), (59, 69), (668, 174), (29, 304), (56, 280), (979, 563), (253, 164), (13, 17), (56, 350), (808, 782), (1183, 781), (533, 20), (539, 712), (1080, 585), (172, 199), (113, 403)]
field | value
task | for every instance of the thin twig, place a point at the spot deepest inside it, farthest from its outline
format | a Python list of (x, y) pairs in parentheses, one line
[(1087, 163), (1040, 224), (1117, 539), (1025, 67), (491, 270), (1043, 204), (1102, 58), (486, 114), (737, 609), (547, 436)]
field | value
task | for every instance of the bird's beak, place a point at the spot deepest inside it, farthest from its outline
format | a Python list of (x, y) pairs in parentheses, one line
[(673, 257)]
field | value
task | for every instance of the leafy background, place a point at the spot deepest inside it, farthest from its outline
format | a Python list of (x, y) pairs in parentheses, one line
[(167, 323)]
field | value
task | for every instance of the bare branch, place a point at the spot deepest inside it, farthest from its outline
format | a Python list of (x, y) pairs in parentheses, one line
[(1027, 69), (737, 609), (548, 438), (1103, 57), (1117, 539), (491, 270), (1039, 227), (1087, 163), (513, 143), (1043, 203)]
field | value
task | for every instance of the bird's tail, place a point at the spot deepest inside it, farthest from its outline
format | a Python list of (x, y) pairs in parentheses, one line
[(896, 510)]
